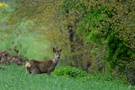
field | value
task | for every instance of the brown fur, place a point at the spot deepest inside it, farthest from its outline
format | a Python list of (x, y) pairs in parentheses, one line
[(45, 66), (39, 67)]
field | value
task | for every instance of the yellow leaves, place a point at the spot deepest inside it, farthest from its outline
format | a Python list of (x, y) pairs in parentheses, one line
[(3, 5), (87, 26)]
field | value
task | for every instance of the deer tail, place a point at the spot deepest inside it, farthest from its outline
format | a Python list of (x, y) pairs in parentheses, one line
[(27, 64)]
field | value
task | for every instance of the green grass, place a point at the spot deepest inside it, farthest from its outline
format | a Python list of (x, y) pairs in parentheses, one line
[(14, 78)]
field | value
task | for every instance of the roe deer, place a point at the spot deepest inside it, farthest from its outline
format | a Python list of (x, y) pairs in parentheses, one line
[(45, 66)]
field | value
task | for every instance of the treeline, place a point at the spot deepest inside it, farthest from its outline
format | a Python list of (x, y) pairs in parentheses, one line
[(101, 32)]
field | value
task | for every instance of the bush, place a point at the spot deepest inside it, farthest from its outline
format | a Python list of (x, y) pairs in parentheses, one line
[(70, 72)]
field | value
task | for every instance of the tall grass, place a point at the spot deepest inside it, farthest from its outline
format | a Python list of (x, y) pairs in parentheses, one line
[(14, 78)]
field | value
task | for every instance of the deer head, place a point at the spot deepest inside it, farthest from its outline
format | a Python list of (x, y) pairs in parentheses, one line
[(57, 53)]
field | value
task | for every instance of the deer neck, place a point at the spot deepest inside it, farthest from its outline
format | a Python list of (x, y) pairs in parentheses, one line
[(55, 61)]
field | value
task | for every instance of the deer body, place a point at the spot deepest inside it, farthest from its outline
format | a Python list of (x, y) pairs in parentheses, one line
[(45, 66), (39, 67)]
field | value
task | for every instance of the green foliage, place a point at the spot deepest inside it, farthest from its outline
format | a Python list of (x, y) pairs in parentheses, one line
[(5, 12), (102, 25), (70, 72), (117, 53)]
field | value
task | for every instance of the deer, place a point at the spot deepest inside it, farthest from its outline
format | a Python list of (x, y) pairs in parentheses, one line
[(44, 66)]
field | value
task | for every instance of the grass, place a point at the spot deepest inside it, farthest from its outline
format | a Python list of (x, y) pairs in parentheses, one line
[(14, 78)]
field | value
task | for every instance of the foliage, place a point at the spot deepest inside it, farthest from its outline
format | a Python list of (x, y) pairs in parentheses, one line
[(103, 23), (70, 72), (45, 15), (5, 12), (118, 54), (130, 72), (3, 5)]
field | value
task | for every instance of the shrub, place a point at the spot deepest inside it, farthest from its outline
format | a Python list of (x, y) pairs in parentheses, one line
[(70, 72)]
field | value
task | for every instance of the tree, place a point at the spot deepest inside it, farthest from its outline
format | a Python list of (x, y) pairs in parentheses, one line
[(109, 24)]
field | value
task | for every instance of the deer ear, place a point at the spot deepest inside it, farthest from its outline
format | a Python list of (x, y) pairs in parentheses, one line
[(54, 50), (60, 50)]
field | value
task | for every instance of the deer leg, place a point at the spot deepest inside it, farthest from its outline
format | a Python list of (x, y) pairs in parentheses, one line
[(28, 70)]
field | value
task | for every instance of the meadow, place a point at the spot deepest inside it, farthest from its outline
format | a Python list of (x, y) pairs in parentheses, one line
[(13, 77)]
